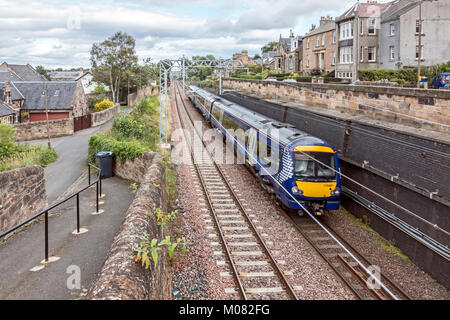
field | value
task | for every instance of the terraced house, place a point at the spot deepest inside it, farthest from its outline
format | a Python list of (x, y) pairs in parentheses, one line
[(358, 30), (319, 48)]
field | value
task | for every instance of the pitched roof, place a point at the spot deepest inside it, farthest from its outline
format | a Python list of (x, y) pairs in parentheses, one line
[(5, 110), (26, 72), (60, 94), (363, 10), (8, 76), (397, 9), (285, 42), (324, 27)]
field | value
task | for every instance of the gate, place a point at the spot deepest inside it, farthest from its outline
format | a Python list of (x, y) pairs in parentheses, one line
[(83, 122)]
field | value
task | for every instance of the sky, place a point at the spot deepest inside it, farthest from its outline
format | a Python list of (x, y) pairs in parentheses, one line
[(61, 33)]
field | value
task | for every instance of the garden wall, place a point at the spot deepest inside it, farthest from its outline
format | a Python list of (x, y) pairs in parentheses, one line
[(22, 195), (101, 117), (38, 130), (420, 108), (121, 277)]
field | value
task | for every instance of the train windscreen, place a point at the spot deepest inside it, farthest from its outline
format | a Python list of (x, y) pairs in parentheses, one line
[(315, 166)]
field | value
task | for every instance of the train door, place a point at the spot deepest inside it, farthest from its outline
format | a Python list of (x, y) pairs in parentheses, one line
[(252, 144)]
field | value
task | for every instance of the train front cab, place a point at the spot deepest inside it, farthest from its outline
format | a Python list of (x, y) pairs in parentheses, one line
[(316, 187)]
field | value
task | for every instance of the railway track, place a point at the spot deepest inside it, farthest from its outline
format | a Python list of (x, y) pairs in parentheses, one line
[(352, 275), (255, 270)]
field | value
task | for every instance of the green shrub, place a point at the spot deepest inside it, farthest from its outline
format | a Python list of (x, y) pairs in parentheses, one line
[(123, 150), (103, 105), (94, 100), (99, 89), (25, 156), (7, 144)]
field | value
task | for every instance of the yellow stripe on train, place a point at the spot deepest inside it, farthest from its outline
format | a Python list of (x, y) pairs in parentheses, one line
[(314, 149), (316, 189)]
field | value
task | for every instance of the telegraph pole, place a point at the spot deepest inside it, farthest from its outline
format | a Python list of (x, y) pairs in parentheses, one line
[(46, 114), (420, 44)]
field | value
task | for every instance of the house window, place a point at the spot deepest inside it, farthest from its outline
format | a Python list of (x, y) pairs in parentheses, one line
[(291, 66), (346, 31), (334, 36), (56, 93), (361, 54), (307, 61), (317, 41), (307, 43), (279, 63), (392, 29), (371, 26), (417, 52), (371, 54), (391, 53), (362, 26), (346, 55), (334, 58), (323, 39)]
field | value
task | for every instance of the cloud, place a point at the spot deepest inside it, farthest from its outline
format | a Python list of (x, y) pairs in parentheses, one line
[(59, 33)]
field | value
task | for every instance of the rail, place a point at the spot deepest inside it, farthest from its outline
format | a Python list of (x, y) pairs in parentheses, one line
[(45, 212)]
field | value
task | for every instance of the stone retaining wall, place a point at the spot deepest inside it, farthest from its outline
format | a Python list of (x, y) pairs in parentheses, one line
[(38, 130), (421, 108), (121, 277), (142, 92), (101, 117), (133, 170), (22, 195)]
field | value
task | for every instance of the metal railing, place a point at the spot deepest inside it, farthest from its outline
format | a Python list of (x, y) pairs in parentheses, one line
[(45, 212)]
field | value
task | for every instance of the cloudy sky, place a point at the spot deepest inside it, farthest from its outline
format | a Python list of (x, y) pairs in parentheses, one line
[(60, 33)]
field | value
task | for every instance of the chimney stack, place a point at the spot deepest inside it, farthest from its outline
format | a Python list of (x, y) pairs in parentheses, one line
[(7, 93)]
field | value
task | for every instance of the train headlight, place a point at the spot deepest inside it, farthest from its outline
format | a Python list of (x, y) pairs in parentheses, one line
[(297, 191), (336, 192)]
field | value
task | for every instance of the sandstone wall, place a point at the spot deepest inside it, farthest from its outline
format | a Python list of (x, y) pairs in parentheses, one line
[(134, 98), (420, 108), (99, 118), (121, 277), (133, 170), (22, 195), (38, 130)]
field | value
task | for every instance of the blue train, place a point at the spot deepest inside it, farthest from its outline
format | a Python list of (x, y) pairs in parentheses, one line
[(290, 163)]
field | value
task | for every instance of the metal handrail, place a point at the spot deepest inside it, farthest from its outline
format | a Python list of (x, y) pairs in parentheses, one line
[(97, 182)]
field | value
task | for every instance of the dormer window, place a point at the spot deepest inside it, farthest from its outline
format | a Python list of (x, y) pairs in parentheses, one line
[(56, 93)]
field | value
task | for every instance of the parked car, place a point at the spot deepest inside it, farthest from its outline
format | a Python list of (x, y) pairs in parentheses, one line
[(442, 81), (289, 80)]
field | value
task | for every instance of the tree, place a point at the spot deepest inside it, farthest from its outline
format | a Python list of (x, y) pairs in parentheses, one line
[(200, 73), (43, 72), (271, 46), (256, 57), (112, 60)]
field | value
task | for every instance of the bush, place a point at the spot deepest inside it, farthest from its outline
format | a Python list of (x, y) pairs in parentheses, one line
[(103, 105), (94, 100), (25, 156), (123, 150), (99, 89), (7, 144)]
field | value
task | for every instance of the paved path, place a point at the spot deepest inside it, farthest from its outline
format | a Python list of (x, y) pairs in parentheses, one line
[(88, 251)]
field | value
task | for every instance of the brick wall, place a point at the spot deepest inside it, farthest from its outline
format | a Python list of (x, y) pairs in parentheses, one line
[(420, 108), (22, 195), (38, 130)]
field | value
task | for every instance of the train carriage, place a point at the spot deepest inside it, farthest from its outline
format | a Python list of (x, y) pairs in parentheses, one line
[(300, 170)]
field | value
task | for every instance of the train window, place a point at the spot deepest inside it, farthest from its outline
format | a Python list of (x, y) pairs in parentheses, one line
[(229, 124), (315, 166), (217, 113)]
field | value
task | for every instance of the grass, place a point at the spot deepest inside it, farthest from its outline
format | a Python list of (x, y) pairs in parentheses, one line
[(26, 156), (383, 243)]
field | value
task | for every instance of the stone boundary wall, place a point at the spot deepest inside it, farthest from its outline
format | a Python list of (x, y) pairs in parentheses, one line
[(421, 108), (121, 278), (38, 130), (133, 170), (101, 117), (22, 195), (135, 97)]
